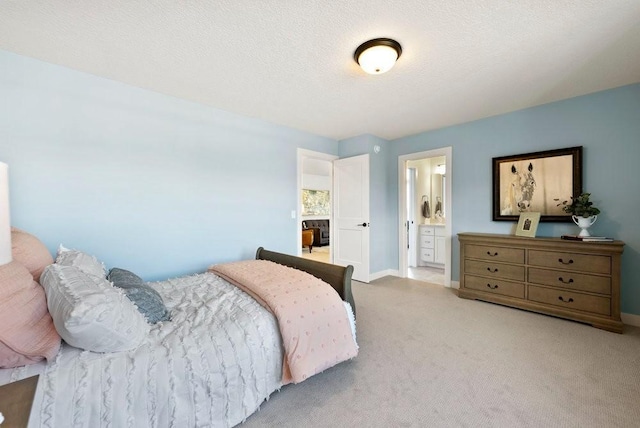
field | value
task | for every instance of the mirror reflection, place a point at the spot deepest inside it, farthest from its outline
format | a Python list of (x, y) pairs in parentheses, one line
[(429, 194)]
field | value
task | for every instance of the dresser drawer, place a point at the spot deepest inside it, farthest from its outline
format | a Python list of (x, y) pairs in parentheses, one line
[(570, 261), (494, 270), (572, 280), (427, 254), (495, 286), (426, 230), (427, 241), (497, 254), (570, 300)]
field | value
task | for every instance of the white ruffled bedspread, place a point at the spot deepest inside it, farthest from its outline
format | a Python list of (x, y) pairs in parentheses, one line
[(212, 366)]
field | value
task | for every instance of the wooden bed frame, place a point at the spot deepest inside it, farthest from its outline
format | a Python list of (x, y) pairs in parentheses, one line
[(339, 277)]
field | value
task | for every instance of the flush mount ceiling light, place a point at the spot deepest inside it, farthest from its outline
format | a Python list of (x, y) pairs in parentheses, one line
[(378, 56)]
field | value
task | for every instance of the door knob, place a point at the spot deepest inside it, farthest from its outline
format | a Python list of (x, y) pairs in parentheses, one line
[(363, 224)]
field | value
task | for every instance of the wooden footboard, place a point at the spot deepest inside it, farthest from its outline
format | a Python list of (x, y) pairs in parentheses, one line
[(339, 277)]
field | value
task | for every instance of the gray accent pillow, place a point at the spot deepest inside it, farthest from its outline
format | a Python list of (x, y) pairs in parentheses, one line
[(148, 300)]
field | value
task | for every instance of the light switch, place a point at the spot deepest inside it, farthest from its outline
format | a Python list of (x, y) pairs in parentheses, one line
[(293, 214)]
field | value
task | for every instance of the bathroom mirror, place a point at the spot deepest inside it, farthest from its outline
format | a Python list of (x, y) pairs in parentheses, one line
[(438, 183)]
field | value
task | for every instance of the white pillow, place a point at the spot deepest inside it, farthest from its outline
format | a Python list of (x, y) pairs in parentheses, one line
[(90, 313), (85, 262)]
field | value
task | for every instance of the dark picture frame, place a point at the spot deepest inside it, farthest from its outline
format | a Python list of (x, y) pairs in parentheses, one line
[(536, 182)]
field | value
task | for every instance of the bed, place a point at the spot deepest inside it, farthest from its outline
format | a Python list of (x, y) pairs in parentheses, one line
[(212, 365)]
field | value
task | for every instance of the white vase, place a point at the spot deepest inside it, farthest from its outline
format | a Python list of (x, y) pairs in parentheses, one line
[(584, 223)]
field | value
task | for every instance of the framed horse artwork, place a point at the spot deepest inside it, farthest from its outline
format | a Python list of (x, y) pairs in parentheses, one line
[(534, 182)]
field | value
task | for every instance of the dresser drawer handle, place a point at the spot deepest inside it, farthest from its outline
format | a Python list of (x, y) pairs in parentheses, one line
[(493, 287), (492, 255), (492, 271), (566, 263), (566, 301), (565, 282)]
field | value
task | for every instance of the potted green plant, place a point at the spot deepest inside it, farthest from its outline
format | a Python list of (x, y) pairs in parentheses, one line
[(580, 206), (582, 211)]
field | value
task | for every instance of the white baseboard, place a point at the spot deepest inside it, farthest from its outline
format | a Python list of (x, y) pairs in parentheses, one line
[(395, 272), (630, 319), (382, 273)]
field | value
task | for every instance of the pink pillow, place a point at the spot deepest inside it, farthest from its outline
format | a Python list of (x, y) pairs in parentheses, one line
[(30, 252), (27, 333)]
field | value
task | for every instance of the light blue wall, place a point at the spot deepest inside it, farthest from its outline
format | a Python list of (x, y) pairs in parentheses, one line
[(165, 187), (378, 182), (144, 181), (606, 124)]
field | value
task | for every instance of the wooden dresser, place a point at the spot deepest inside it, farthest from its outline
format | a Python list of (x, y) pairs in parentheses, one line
[(569, 279)]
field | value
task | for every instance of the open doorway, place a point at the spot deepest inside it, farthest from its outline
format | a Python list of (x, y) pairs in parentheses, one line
[(315, 186), (425, 214)]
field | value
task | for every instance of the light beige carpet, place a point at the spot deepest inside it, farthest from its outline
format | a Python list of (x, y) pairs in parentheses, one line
[(430, 359)]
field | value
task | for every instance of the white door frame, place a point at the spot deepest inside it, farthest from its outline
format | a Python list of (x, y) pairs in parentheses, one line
[(402, 208), (411, 229), (303, 154)]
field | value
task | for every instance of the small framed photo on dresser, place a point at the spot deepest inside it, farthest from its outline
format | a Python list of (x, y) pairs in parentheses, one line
[(528, 224)]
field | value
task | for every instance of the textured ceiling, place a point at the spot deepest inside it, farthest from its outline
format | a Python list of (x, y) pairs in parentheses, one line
[(290, 62)]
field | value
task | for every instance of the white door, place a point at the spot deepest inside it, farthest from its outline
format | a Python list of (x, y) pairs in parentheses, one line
[(412, 237), (351, 214)]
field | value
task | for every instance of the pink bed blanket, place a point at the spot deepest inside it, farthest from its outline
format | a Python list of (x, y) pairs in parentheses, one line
[(313, 322)]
